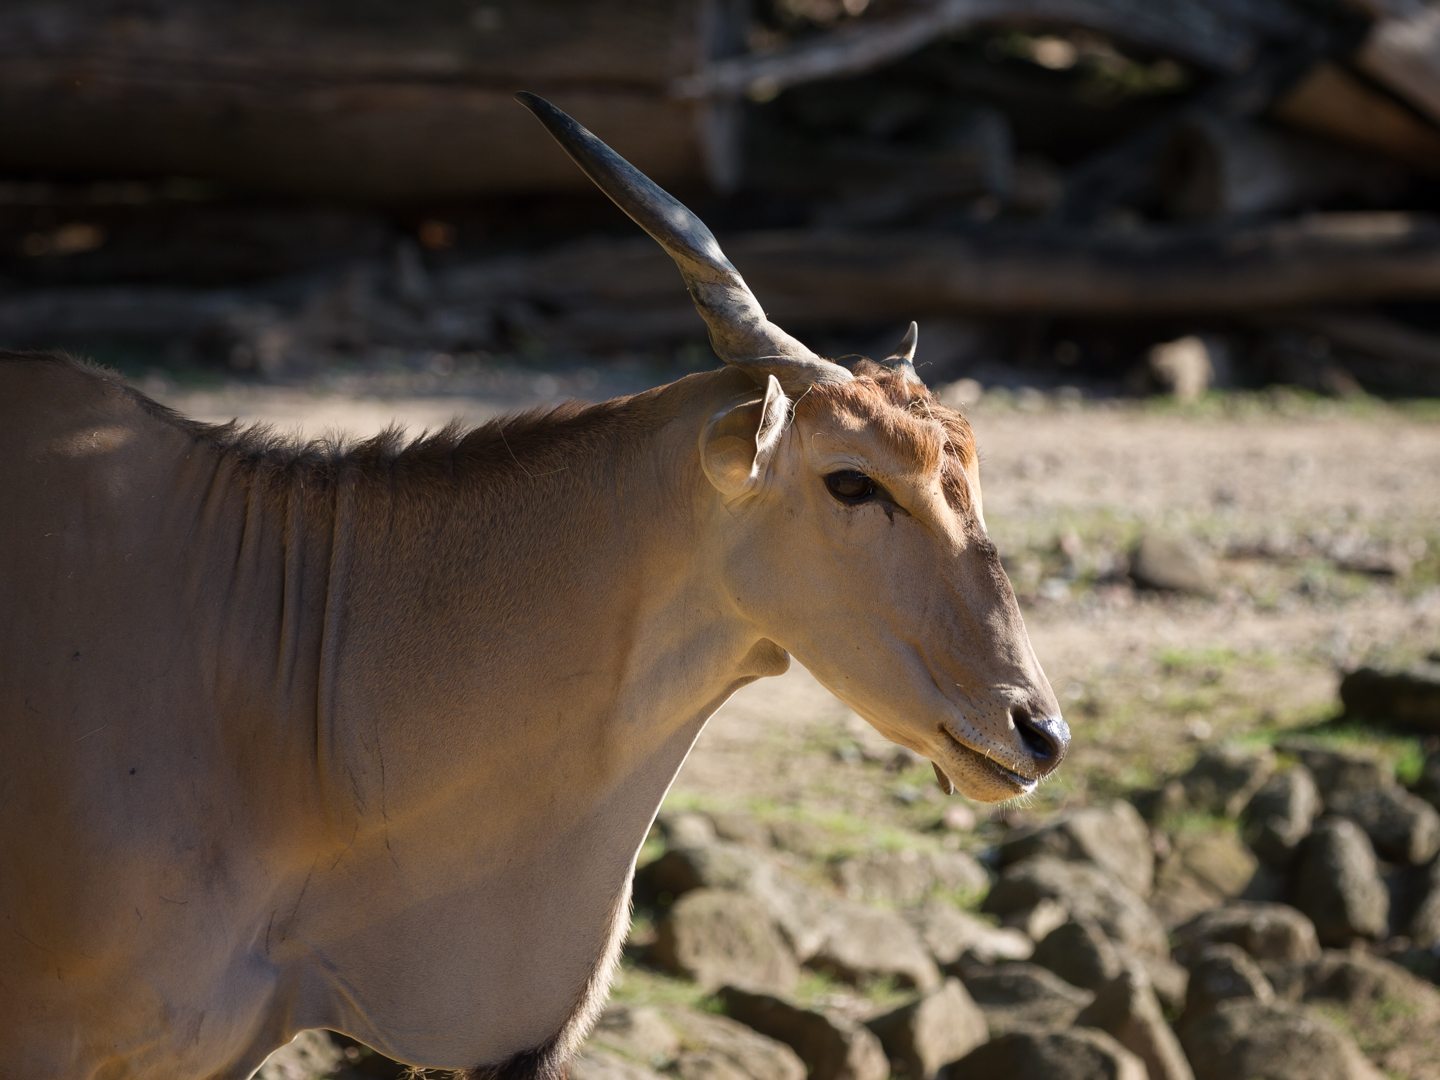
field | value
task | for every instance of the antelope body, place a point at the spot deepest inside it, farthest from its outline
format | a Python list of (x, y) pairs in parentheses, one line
[(368, 738)]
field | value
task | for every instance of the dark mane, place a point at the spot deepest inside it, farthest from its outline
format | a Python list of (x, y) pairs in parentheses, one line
[(530, 444)]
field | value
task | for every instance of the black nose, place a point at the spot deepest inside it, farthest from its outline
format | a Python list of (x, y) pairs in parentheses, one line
[(1047, 738)]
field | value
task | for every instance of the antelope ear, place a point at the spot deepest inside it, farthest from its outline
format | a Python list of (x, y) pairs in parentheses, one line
[(737, 444)]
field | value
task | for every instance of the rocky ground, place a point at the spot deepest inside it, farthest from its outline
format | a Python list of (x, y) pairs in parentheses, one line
[(1223, 882)]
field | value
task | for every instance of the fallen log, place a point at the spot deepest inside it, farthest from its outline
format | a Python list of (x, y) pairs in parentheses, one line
[(624, 292), (1339, 258), (858, 277), (1402, 52), (1215, 167), (1220, 36), (316, 99), (1128, 168), (1329, 101), (1381, 352)]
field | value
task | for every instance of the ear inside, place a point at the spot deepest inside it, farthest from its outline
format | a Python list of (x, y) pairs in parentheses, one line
[(736, 445)]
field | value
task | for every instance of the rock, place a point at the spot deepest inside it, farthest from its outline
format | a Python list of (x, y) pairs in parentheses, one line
[(1403, 827), (638, 1032), (739, 827), (1168, 980), (1077, 1054), (1088, 892), (718, 936), (1224, 779), (707, 1065), (1337, 884), (903, 878), (1113, 837), (928, 1033), (707, 866), (1279, 815), (1424, 928), (795, 907), (802, 838), (859, 944), (1335, 771), (1128, 1009), (713, 1045), (832, 1047), (1394, 1016), (1204, 870), (1428, 787), (1217, 859), (1172, 564), (957, 818), (1080, 953), (1180, 896), (1408, 699), (1423, 963), (1265, 931), (1016, 994), (1182, 367), (596, 1064), (1037, 921), (310, 1055), (1223, 972), (1270, 885), (950, 933), (1246, 1038), (685, 828)]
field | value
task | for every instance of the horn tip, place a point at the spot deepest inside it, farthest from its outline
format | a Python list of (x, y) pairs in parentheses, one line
[(534, 102), (910, 340)]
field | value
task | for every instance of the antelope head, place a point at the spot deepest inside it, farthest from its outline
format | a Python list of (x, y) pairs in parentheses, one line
[(854, 529)]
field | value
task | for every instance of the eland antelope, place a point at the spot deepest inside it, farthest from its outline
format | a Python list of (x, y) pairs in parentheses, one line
[(367, 738)]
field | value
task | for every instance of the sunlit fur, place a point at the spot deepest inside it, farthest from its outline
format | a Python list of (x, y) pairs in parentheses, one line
[(910, 419), (367, 735)]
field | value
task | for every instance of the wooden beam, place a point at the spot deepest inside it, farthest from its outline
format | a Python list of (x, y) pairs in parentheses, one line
[(1215, 167), (1329, 101), (1218, 36), (627, 291), (850, 278), (1402, 52), (317, 99)]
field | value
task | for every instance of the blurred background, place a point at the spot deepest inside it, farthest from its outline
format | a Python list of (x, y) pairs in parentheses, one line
[(1052, 187)]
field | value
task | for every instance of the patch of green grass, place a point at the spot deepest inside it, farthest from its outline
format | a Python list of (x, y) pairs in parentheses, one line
[(815, 986), (965, 899), (639, 985), (1405, 752), (1178, 660), (651, 849), (1219, 658)]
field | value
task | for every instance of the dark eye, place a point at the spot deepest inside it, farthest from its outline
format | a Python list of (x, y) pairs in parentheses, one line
[(850, 486)]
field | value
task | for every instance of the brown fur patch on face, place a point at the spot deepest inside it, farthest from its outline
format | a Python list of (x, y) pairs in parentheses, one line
[(908, 418)]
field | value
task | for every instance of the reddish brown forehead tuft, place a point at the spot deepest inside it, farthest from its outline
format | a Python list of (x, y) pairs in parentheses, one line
[(907, 417)]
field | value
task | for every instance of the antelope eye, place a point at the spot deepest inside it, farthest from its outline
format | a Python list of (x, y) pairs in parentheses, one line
[(850, 486)]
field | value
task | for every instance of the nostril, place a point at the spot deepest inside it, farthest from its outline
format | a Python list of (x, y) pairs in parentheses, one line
[(1046, 738)]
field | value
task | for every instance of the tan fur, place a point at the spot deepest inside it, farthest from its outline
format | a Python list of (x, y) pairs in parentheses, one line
[(368, 738)]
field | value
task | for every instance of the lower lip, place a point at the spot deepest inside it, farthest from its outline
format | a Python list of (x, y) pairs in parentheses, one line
[(1023, 785)]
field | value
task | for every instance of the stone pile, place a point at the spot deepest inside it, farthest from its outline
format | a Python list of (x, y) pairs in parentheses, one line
[(1261, 914), (1191, 933)]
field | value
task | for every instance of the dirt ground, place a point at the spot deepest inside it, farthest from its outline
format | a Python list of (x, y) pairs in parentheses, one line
[(1323, 519)]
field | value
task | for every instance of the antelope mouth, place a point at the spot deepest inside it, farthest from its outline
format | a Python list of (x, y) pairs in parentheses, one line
[(1022, 785)]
